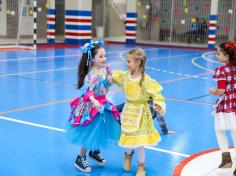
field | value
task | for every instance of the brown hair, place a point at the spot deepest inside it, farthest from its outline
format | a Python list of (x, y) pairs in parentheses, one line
[(229, 48), (140, 55), (83, 67)]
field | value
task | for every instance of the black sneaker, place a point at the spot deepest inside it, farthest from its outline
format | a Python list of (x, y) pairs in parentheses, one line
[(97, 156), (82, 164)]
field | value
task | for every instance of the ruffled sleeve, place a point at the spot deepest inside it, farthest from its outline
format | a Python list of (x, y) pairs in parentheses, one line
[(118, 77), (154, 89), (219, 74), (87, 90)]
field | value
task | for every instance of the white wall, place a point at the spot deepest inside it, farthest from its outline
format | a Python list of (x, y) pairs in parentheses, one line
[(78, 5), (3, 18), (27, 21), (120, 1)]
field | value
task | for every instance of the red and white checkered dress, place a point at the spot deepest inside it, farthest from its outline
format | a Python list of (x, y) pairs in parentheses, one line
[(226, 79)]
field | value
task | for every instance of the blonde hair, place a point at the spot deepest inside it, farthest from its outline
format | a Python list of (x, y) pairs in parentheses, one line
[(139, 54)]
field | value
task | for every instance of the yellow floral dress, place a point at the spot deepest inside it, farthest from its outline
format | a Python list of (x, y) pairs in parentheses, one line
[(136, 119)]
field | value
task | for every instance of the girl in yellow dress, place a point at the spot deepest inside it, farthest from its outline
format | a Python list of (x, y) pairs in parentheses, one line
[(136, 120)]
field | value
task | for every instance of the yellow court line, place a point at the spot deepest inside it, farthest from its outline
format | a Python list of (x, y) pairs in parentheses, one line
[(199, 66)]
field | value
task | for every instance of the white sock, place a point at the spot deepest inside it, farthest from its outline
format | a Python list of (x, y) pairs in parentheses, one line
[(222, 140), (141, 155)]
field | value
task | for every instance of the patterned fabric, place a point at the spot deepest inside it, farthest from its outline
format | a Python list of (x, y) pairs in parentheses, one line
[(82, 110), (89, 127), (136, 119), (160, 118), (227, 102)]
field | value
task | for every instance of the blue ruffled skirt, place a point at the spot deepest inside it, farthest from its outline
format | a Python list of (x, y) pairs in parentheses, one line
[(102, 132)]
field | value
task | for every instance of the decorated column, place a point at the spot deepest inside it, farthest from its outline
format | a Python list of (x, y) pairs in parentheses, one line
[(131, 22), (51, 21), (78, 21), (213, 24)]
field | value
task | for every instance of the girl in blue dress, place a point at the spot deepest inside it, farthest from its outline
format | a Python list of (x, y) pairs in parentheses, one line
[(94, 121)]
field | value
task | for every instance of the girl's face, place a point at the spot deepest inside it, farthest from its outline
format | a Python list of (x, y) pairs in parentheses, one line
[(222, 57), (132, 63), (99, 59)]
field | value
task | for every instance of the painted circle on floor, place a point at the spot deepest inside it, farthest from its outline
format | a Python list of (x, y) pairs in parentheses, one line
[(204, 163)]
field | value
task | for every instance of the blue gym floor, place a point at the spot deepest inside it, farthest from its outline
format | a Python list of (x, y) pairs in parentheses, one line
[(37, 86)]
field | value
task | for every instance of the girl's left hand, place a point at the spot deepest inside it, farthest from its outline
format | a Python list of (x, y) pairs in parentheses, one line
[(212, 91), (158, 108), (97, 104), (109, 77)]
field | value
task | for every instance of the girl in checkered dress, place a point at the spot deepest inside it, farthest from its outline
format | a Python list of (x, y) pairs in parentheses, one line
[(225, 108)]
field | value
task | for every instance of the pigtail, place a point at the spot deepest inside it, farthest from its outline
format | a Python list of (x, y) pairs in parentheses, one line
[(142, 68), (83, 69)]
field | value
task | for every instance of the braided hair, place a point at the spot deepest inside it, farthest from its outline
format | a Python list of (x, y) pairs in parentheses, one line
[(139, 54)]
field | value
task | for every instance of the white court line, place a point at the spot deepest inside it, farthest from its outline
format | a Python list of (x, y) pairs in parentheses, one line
[(76, 55), (160, 58), (72, 68), (31, 124), (62, 130), (176, 56), (59, 56), (40, 71), (167, 151), (177, 73), (43, 71), (47, 57), (34, 58), (204, 56)]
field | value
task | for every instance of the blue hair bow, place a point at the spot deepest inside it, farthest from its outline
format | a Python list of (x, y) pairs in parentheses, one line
[(88, 47)]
